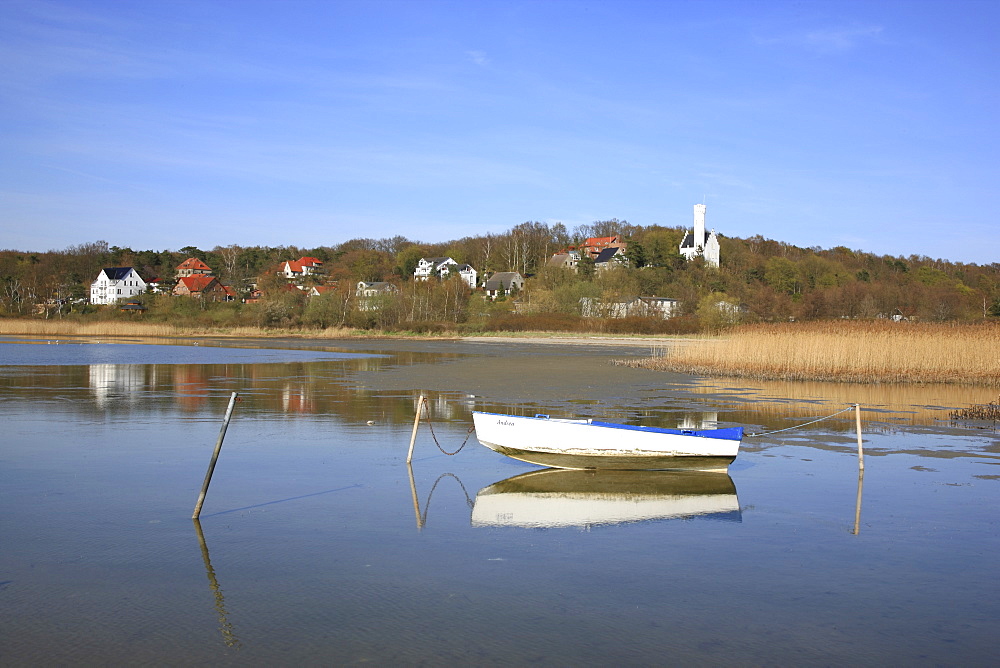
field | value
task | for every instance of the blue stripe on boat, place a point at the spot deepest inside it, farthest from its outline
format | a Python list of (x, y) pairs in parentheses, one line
[(728, 434)]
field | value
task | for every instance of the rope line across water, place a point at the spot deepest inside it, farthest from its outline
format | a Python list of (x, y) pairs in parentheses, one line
[(804, 424)]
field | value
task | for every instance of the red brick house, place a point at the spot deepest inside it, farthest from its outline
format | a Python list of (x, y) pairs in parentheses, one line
[(200, 285)]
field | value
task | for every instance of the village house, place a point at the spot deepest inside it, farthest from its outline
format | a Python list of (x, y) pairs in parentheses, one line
[(633, 307), (699, 242), (604, 251), (375, 288), (567, 259), (369, 292), (193, 267), (595, 245), (116, 283), (503, 283), (613, 256), (206, 287), (304, 266), (442, 267)]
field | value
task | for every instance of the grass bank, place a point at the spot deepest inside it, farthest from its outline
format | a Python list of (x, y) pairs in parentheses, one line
[(119, 328), (845, 351), (125, 326)]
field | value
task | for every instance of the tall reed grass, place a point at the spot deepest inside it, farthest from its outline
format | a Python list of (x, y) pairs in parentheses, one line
[(858, 352)]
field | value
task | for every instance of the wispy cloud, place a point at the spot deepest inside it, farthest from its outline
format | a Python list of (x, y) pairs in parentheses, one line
[(478, 57), (826, 40)]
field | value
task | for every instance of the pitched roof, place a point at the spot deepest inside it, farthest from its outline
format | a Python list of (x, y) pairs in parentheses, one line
[(502, 279), (197, 282), (601, 241), (606, 254), (688, 240), (116, 273), (193, 264)]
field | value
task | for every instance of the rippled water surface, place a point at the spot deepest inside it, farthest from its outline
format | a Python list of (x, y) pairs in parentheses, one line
[(318, 545)]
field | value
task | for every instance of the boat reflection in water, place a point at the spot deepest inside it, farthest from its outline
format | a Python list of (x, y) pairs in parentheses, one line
[(583, 498)]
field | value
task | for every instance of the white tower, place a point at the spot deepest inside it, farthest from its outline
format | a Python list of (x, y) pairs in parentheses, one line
[(699, 227)]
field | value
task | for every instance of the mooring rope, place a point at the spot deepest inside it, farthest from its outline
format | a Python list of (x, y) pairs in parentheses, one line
[(434, 436), (804, 424)]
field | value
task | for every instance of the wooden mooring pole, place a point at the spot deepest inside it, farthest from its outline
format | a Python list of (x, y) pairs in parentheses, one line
[(416, 423), (215, 457)]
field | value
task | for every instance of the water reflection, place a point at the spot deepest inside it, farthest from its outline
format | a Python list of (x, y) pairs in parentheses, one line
[(585, 498), (116, 382), (857, 504), (897, 404), (345, 387), (421, 515), (225, 626), (556, 498), (701, 420)]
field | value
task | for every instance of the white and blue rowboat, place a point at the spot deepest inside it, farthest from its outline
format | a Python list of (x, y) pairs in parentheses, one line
[(589, 444)]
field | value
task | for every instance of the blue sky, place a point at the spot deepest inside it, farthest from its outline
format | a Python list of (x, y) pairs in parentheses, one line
[(872, 125)]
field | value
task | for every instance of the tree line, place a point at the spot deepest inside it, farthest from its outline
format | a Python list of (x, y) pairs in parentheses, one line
[(759, 280)]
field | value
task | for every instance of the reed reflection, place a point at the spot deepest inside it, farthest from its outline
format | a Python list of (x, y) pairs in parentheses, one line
[(225, 626)]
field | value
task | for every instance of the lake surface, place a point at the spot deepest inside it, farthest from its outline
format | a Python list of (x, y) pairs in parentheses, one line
[(318, 545)]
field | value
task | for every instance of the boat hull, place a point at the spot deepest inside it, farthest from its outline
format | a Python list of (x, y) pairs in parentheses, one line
[(585, 444)]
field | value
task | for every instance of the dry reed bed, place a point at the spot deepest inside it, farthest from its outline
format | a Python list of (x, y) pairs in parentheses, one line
[(990, 411), (858, 352)]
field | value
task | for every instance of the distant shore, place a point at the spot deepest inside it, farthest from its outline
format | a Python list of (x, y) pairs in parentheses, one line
[(839, 351), (55, 328), (581, 339)]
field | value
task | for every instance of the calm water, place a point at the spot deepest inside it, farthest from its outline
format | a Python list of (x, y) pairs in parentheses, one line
[(319, 546)]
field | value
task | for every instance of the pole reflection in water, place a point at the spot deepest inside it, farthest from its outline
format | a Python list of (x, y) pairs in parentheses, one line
[(584, 498), (422, 516), (857, 504), (228, 635)]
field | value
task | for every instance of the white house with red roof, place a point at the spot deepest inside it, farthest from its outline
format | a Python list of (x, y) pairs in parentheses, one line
[(304, 266)]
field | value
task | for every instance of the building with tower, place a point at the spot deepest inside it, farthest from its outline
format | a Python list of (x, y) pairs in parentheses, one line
[(700, 242)]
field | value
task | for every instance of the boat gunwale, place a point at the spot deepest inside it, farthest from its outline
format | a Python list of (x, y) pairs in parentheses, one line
[(723, 433)]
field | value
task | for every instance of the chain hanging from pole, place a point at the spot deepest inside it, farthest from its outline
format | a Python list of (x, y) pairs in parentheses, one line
[(434, 436)]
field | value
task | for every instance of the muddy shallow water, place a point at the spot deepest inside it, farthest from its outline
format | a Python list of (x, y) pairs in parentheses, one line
[(319, 546)]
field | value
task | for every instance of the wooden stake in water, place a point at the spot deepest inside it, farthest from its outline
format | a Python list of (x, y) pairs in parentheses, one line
[(416, 423), (215, 457), (861, 451)]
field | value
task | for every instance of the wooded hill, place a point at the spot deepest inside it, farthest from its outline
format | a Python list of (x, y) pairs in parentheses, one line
[(762, 280)]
